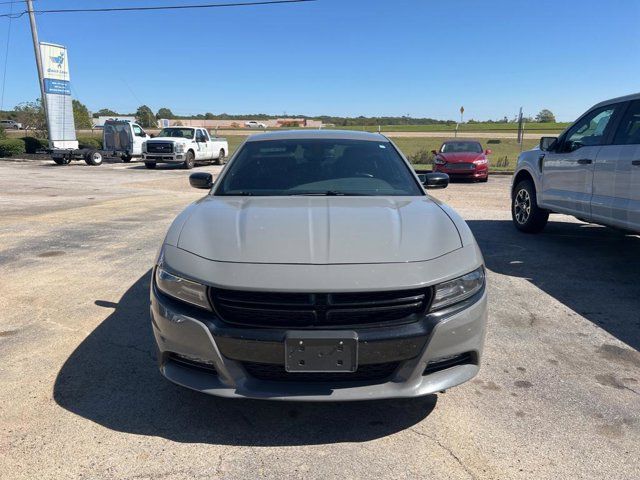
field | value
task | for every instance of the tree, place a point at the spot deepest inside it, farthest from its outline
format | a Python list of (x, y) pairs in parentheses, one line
[(545, 116), (31, 116), (164, 113), (209, 116), (145, 117), (81, 116), (105, 112)]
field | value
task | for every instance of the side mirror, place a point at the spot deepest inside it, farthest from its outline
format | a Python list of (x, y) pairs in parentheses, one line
[(435, 180), (434, 152), (202, 180), (547, 143), (488, 151)]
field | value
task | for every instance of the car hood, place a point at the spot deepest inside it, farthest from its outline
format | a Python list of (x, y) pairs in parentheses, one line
[(318, 230), (461, 157)]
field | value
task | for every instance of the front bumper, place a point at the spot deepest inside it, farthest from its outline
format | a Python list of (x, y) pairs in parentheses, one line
[(184, 330), (163, 158), (457, 173)]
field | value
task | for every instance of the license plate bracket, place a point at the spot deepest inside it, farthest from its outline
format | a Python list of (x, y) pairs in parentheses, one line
[(321, 351)]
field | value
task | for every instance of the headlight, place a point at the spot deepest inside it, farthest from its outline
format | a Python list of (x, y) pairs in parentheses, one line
[(181, 288), (481, 161), (458, 289), (439, 161), (179, 147)]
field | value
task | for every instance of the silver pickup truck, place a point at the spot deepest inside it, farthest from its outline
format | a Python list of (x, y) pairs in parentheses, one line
[(591, 171)]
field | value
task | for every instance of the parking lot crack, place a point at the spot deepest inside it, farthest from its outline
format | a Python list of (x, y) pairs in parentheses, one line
[(447, 449)]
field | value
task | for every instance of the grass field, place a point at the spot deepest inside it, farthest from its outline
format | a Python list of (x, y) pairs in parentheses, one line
[(466, 127), (503, 158)]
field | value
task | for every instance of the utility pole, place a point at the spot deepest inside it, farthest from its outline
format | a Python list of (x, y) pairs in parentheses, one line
[(36, 49)]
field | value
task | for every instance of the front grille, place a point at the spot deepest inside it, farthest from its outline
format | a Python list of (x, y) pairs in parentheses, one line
[(277, 373), (159, 147), (318, 310), (460, 166)]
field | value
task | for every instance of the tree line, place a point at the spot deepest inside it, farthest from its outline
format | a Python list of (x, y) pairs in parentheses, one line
[(31, 116)]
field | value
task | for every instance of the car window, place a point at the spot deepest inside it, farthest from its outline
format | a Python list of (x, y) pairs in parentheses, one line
[(462, 147), (589, 130), (318, 167), (629, 130), (200, 136), (176, 132), (137, 130)]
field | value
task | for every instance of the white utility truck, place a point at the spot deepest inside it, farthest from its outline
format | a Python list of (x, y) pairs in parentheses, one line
[(120, 138), (184, 145)]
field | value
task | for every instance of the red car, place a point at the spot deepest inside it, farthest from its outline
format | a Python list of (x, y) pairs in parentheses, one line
[(462, 159)]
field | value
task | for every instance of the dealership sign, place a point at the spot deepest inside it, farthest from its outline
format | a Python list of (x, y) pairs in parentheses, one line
[(57, 92)]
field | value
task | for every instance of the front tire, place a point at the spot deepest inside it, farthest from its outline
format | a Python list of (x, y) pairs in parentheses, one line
[(150, 165), (525, 213), (62, 161), (126, 158), (220, 160), (93, 158), (189, 160)]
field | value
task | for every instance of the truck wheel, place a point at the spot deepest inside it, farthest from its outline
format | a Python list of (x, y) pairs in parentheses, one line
[(526, 215), (93, 157), (220, 159), (150, 165), (126, 158), (62, 161), (189, 160)]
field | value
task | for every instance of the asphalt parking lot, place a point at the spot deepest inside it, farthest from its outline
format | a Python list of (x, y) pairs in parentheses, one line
[(558, 395)]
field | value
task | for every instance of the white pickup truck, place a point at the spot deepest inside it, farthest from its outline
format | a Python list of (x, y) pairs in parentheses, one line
[(184, 145)]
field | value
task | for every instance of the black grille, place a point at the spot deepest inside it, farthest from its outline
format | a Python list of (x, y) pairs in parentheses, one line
[(159, 147), (442, 364), (277, 373), (312, 310), (460, 166)]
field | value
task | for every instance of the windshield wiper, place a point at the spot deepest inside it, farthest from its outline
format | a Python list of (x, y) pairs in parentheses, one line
[(234, 193), (330, 193)]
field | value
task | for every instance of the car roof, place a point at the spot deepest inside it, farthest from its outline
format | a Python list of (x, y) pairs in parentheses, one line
[(625, 98), (317, 134), (467, 140)]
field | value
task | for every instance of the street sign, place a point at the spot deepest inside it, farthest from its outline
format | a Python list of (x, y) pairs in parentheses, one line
[(57, 92)]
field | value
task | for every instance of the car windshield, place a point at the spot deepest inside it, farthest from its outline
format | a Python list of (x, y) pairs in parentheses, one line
[(318, 167), (176, 132), (461, 147)]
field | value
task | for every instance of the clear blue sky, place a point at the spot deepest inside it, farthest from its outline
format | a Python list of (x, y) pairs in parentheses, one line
[(341, 57)]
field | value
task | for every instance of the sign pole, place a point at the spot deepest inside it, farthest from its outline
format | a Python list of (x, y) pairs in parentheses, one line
[(36, 48)]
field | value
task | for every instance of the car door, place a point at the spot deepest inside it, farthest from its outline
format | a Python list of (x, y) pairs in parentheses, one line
[(201, 141), (616, 182), (139, 137), (567, 171)]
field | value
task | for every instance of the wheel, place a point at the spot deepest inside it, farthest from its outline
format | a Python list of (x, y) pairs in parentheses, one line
[(189, 160), (93, 157), (526, 215), (126, 158), (150, 165), (62, 161), (220, 159)]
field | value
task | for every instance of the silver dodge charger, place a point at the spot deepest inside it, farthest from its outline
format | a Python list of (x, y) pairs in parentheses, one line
[(318, 268)]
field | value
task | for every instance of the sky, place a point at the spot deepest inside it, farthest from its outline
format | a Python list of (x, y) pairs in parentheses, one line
[(423, 58)]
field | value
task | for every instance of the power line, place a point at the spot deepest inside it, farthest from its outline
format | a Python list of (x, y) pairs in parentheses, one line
[(164, 7)]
